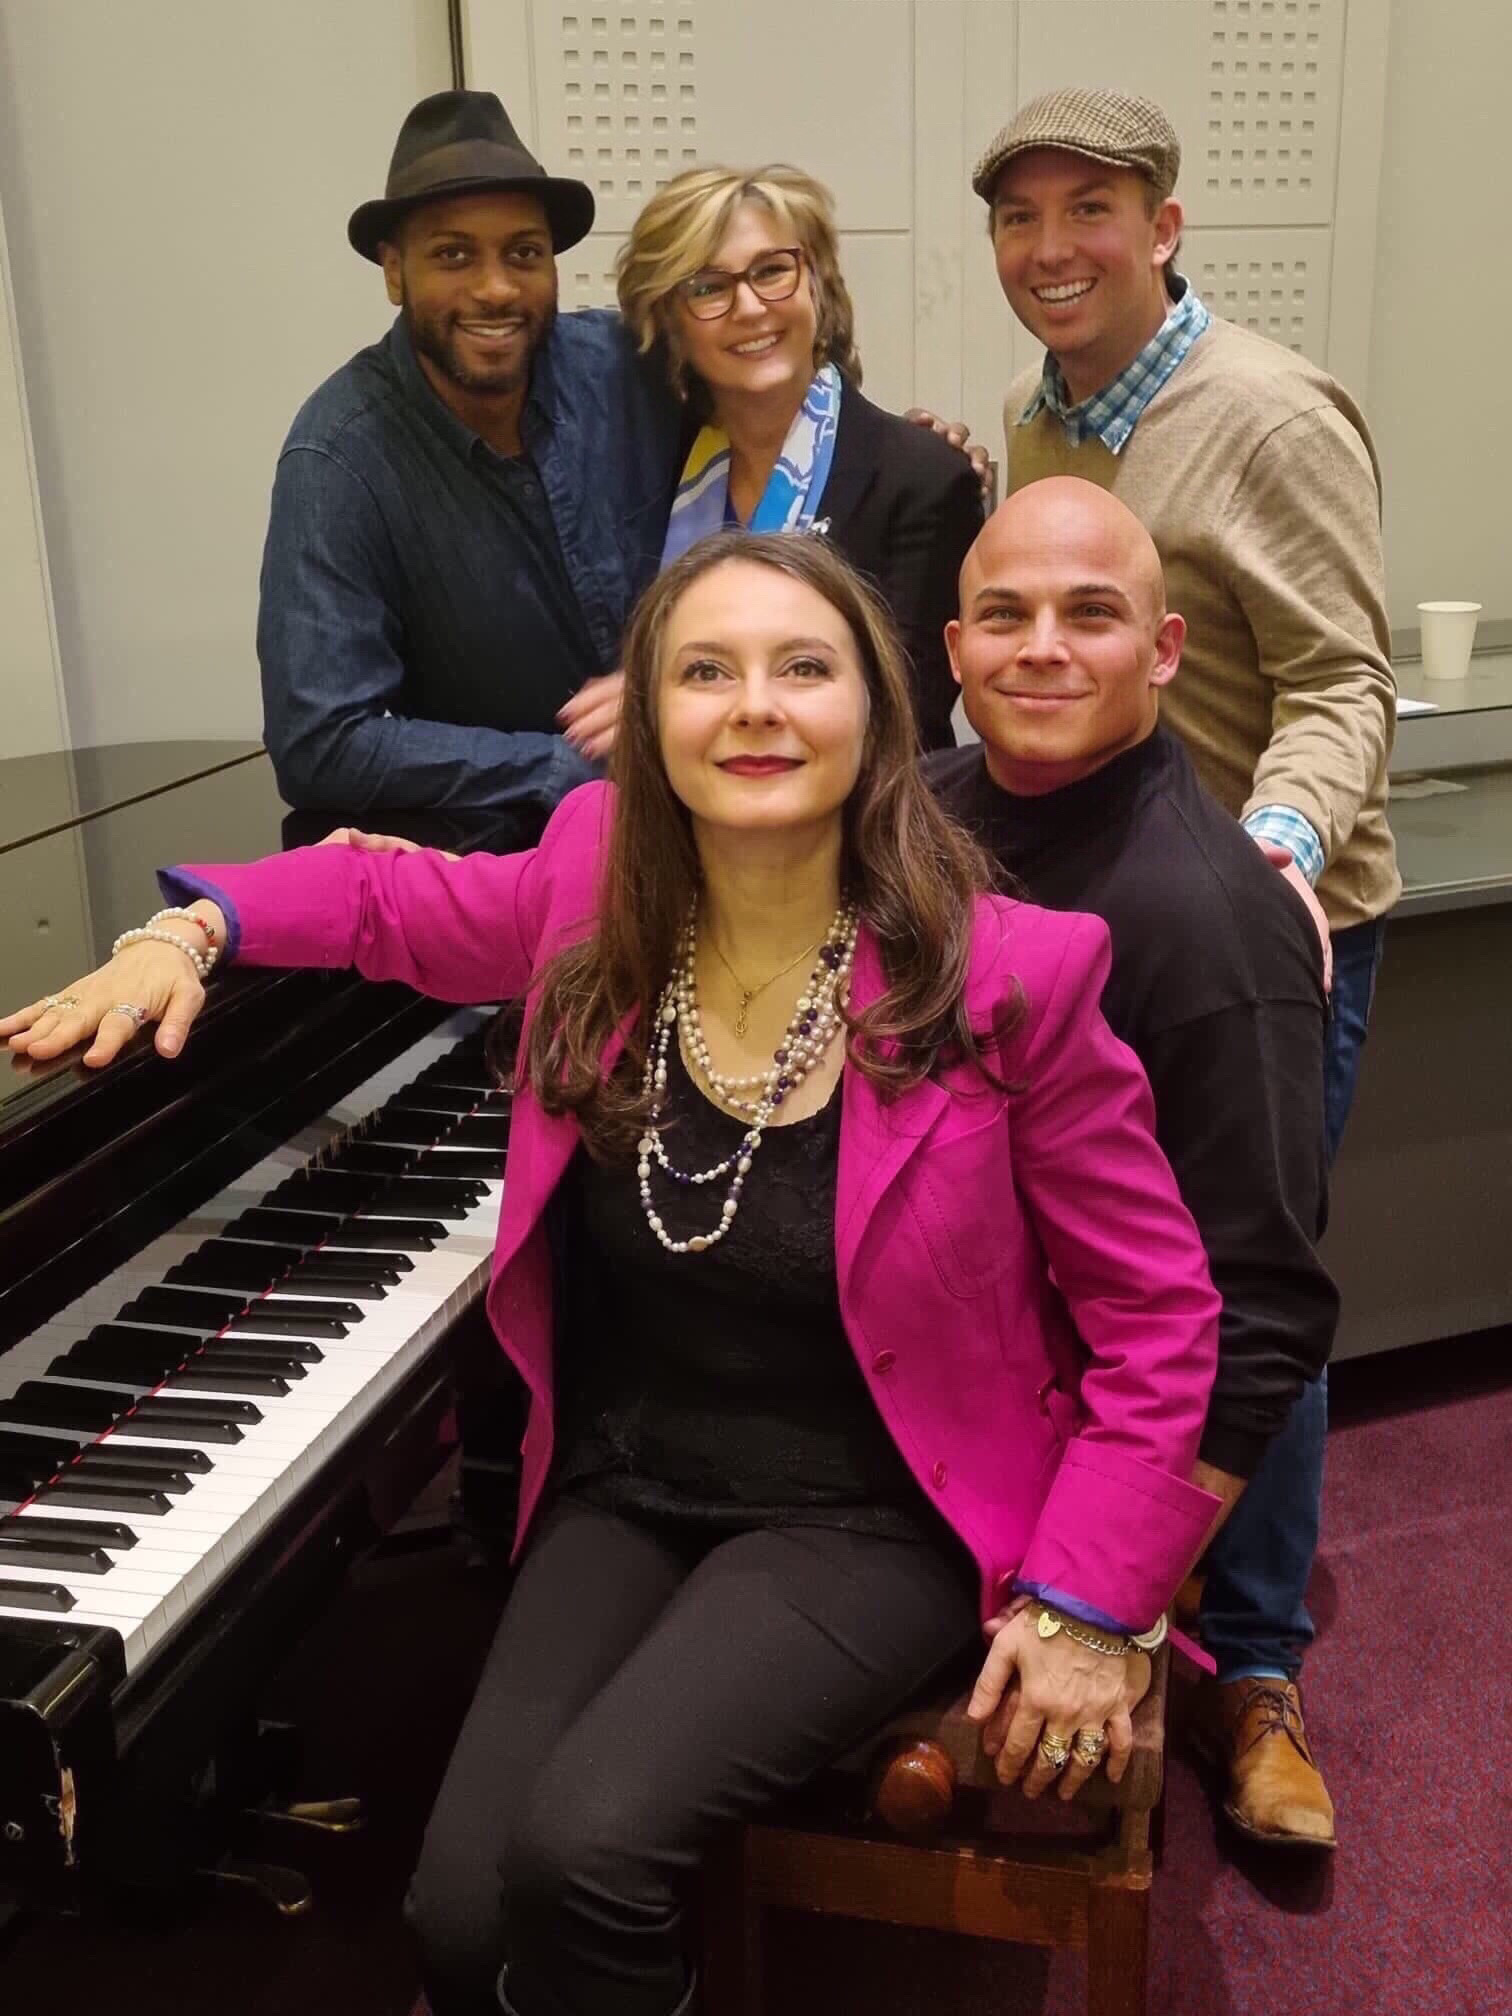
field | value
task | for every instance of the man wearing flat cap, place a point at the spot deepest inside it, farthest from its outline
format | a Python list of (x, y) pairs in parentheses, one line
[(464, 513), (1255, 474)]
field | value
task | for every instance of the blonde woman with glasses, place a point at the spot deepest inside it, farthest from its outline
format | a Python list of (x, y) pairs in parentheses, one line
[(736, 276)]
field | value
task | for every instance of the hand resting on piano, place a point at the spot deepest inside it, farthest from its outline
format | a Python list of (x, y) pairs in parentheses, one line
[(156, 979), (150, 981)]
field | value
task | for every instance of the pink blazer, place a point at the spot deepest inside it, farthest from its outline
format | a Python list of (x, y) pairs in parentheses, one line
[(1026, 1295)]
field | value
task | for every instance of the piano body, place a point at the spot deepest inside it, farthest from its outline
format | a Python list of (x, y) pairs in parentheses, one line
[(231, 1290)]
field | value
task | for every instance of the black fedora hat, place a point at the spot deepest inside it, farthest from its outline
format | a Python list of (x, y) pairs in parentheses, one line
[(459, 141)]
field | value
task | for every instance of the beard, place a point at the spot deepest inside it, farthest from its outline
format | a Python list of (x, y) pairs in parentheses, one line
[(435, 338)]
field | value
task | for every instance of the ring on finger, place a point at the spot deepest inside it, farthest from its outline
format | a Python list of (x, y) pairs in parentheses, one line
[(1055, 1750), (1088, 1745), (60, 1001), (136, 1016)]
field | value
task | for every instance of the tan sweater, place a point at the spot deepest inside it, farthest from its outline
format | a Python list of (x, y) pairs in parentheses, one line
[(1256, 476)]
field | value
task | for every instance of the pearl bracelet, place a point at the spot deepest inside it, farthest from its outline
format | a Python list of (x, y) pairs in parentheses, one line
[(201, 923), (201, 961)]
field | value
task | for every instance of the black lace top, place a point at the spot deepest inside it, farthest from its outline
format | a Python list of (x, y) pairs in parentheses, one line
[(720, 1385)]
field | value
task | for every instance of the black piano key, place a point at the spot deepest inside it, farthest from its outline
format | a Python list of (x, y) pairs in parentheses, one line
[(485, 1165), (18, 1447), (230, 1376), (38, 1404), (28, 1543), (295, 1307), (140, 1453), (347, 1192), (95, 1468), (327, 1285), (417, 1126), (283, 1319), (425, 1109), (138, 1375), (445, 1158), (480, 1130), (334, 1234), (374, 1158), (317, 1282), (232, 1264), (91, 1494), (465, 1073), (395, 1238), (35, 1595), (142, 1344), (260, 1226), (200, 1309), (20, 1480), (378, 1269), (78, 1532), (80, 1363), (167, 1417), (275, 1362), (218, 1412)]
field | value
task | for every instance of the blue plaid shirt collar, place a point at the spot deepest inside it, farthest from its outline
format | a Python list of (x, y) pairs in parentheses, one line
[(1111, 414)]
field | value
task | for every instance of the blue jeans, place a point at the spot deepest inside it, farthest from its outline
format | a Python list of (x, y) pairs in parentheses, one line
[(1254, 1613)]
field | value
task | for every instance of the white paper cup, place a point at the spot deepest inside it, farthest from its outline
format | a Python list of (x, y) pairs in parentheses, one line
[(1448, 637)]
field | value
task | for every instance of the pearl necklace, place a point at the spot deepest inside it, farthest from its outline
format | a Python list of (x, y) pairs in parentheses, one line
[(810, 1031)]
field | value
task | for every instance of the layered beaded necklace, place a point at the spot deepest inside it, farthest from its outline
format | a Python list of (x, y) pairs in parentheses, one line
[(810, 1031)]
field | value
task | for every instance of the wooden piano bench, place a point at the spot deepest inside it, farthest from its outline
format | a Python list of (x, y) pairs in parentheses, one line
[(915, 1830)]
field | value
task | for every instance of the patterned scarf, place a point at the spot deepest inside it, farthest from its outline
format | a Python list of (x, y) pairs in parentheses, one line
[(794, 490)]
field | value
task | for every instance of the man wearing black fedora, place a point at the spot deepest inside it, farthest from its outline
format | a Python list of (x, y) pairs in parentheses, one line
[(464, 513)]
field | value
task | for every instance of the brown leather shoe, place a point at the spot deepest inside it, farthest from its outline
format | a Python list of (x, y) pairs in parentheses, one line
[(1276, 1793)]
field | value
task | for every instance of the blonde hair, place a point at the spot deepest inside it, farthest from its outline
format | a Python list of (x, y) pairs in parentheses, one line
[(679, 231)]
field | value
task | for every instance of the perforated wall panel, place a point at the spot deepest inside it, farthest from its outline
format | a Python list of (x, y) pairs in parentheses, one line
[(1275, 282)]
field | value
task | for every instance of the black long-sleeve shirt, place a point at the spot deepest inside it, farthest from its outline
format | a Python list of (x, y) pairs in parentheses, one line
[(1217, 987)]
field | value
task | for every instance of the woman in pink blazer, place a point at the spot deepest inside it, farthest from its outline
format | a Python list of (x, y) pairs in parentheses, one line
[(857, 1305)]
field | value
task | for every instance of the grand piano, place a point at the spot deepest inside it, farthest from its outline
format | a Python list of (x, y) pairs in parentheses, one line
[(231, 1292)]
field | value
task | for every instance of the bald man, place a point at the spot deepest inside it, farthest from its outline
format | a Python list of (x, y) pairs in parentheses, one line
[(1062, 648)]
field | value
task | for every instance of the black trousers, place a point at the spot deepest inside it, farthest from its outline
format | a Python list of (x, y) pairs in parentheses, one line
[(646, 1688)]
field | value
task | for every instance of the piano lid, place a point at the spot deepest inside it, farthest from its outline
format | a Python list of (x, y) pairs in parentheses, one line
[(40, 794)]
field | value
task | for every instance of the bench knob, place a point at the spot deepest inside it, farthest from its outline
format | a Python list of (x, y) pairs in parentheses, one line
[(915, 1788)]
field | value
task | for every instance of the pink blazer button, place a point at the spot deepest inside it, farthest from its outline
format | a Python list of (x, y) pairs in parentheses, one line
[(940, 1474), (884, 1361)]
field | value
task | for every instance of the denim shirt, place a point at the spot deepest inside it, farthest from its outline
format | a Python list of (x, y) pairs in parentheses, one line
[(419, 623)]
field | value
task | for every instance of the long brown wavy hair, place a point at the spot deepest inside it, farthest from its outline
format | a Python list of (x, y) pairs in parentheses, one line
[(913, 873)]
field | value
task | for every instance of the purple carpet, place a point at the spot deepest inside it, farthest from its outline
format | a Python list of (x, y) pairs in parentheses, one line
[(1406, 1684)]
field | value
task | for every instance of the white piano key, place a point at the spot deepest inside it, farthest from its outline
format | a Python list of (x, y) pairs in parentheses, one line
[(182, 1554)]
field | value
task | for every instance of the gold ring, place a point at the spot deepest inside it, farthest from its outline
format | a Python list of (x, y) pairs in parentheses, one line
[(136, 1016), (1088, 1745), (1055, 1750), (60, 1001)]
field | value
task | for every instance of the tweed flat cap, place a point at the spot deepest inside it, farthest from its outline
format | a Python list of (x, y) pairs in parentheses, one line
[(1104, 125)]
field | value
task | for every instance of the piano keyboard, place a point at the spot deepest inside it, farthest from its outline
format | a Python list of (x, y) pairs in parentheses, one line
[(152, 1429)]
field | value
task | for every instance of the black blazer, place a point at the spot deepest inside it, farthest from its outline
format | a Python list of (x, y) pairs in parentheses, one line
[(903, 506)]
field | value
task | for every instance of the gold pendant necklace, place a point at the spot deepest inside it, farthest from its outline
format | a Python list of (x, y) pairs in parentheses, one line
[(748, 994)]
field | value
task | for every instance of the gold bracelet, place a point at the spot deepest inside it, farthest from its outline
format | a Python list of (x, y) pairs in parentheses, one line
[(1052, 1621)]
